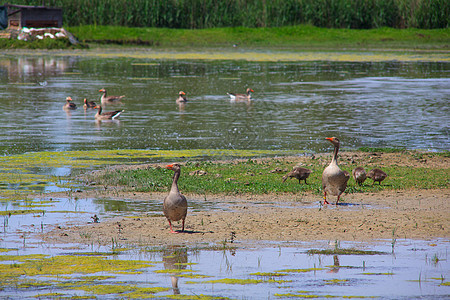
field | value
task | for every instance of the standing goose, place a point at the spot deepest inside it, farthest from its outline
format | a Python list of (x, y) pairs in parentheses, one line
[(88, 104), (69, 104), (175, 204), (109, 99), (109, 115), (377, 175), (247, 96), (334, 180), (299, 173), (359, 174), (181, 97)]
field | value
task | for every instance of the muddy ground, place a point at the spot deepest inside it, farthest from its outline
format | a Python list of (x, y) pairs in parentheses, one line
[(418, 214), (398, 214)]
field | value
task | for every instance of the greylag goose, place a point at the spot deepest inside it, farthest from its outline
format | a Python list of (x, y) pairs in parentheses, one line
[(69, 105), (359, 174), (334, 180), (247, 96), (109, 99), (377, 175), (88, 104), (181, 97), (175, 204), (299, 173), (109, 115)]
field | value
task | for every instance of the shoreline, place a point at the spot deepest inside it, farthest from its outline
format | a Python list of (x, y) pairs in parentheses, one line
[(249, 54), (264, 219)]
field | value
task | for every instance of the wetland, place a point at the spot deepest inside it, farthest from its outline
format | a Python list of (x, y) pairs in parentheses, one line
[(81, 200)]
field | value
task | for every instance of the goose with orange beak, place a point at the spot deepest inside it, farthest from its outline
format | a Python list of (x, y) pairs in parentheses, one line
[(175, 204), (109, 115), (334, 180), (247, 96), (69, 105), (181, 97), (105, 100)]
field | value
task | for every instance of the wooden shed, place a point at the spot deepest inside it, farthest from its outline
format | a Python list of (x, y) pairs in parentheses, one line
[(33, 16)]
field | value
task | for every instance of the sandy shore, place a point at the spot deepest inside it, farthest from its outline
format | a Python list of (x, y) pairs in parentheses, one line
[(245, 219), (411, 214)]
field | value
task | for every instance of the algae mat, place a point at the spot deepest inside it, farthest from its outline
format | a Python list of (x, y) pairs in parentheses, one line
[(260, 55)]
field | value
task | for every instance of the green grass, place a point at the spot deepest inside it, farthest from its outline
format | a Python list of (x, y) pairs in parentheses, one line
[(251, 177), (38, 44), (300, 37)]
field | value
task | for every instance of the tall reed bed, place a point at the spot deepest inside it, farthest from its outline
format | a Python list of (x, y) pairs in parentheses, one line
[(197, 14)]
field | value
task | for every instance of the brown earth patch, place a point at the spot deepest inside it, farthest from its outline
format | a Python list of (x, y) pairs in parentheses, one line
[(417, 214), (398, 214)]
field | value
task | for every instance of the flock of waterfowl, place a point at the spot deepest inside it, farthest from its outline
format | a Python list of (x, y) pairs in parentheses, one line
[(334, 180), (112, 115), (334, 183), (100, 115)]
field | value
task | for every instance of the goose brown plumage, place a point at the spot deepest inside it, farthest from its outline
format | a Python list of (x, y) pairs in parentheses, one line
[(109, 115), (359, 174), (109, 99), (377, 175), (69, 105), (299, 173), (88, 104), (181, 97), (334, 180), (175, 204), (246, 96)]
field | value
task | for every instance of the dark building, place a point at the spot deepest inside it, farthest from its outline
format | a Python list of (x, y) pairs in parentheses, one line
[(33, 16)]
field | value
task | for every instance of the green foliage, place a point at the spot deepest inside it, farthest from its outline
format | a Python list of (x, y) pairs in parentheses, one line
[(259, 178), (298, 37), (194, 14), (37, 44)]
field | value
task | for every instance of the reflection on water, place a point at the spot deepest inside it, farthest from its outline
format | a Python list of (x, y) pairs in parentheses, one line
[(175, 258), (414, 269), (382, 104)]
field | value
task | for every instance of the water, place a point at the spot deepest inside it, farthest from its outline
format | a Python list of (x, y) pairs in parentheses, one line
[(405, 268), (297, 104)]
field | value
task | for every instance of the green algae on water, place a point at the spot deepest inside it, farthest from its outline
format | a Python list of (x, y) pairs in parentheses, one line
[(174, 271), (344, 252), (238, 281), (196, 297), (32, 265), (300, 270)]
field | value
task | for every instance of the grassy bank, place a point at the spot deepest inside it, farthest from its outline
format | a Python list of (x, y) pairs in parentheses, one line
[(302, 37), (265, 176), (291, 37)]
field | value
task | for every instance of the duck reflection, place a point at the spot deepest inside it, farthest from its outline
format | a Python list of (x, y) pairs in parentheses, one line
[(104, 123), (175, 258), (335, 267)]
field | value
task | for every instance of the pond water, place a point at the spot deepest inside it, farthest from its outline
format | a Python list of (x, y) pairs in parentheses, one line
[(296, 104), (402, 269)]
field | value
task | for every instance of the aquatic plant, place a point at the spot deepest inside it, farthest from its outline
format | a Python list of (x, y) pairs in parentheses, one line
[(300, 270), (237, 281), (340, 251)]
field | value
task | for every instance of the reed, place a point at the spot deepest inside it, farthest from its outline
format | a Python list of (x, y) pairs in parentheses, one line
[(197, 14)]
